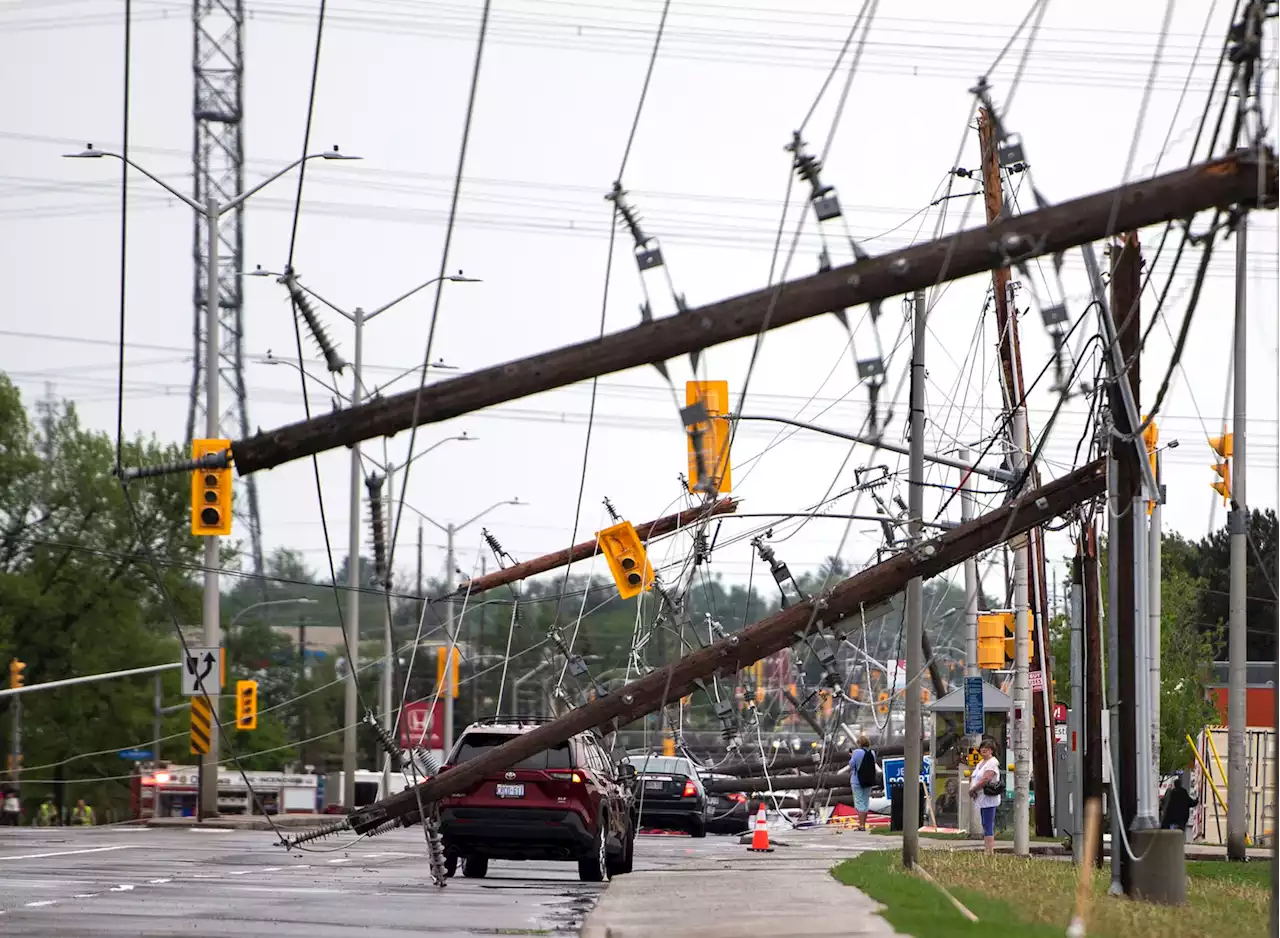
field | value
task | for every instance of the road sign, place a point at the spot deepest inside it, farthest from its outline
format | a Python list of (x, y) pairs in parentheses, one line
[(1059, 713), (973, 715), (413, 725), (201, 666), (201, 725), (1037, 681), (137, 755)]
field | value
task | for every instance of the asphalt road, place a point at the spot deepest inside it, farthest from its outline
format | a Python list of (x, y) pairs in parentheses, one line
[(143, 882)]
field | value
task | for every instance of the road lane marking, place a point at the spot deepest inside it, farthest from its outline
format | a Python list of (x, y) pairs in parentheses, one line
[(69, 853), (42, 902), (123, 887), (85, 895), (157, 882), (341, 860)]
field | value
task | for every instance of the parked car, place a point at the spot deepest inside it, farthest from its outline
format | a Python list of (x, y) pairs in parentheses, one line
[(668, 794), (565, 803), (726, 812)]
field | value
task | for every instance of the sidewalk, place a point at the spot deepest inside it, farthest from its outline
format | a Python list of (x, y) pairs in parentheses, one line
[(789, 893)]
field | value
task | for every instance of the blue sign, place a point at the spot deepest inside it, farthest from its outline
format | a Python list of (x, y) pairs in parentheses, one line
[(135, 754), (893, 771), (973, 715)]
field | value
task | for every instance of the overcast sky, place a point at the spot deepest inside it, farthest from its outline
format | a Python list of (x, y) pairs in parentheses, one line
[(558, 90)]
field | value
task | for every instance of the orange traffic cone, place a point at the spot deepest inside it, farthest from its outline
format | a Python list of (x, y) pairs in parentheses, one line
[(760, 837)]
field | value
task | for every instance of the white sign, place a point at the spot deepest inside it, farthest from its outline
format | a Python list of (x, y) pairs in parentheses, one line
[(1060, 733), (1037, 681), (201, 665)]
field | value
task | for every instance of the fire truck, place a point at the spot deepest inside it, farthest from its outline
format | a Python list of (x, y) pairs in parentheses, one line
[(164, 790)]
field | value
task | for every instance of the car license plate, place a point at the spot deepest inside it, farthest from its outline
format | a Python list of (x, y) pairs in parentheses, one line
[(653, 784), (510, 791)]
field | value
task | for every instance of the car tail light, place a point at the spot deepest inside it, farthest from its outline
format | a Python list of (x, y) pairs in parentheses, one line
[(690, 789), (575, 777), (738, 797)]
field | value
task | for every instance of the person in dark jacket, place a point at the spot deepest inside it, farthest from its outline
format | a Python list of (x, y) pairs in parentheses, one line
[(1177, 806)]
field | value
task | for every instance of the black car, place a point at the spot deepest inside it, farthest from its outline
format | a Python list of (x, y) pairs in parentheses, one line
[(568, 802), (669, 794), (726, 812)]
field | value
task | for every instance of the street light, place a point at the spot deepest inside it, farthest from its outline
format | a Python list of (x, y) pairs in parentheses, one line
[(211, 211), (351, 623), (268, 602), (450, 530)]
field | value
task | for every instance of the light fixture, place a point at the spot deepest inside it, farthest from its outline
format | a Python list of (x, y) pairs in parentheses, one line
[(88, 153), (335, 155)]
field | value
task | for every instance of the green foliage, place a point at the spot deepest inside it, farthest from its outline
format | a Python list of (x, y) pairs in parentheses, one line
[(76, 595)]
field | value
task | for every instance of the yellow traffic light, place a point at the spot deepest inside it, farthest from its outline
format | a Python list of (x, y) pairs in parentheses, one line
[(246, 705), (992, 629), (456, 657), (712, 437), (16, 668), (210, 492), (882, 706), (627, 560), (1224, 446), (668, 745)]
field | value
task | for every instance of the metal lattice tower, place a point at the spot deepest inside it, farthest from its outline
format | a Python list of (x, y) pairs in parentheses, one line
[(218, 157)]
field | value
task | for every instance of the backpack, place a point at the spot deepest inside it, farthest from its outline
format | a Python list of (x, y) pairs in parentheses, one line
[(867, 769)]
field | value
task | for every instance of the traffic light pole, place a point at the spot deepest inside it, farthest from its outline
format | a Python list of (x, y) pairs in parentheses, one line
[(971, 668), (208, 800), (1237, 526), (450, 636), (15, 754)]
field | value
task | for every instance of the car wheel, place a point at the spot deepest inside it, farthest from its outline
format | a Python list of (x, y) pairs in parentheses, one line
[(450, 864), (595, 868), (699, 828), (625, 860), (475, 867)]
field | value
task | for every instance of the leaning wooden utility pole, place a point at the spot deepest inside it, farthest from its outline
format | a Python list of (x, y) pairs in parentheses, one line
[(732, 653), (1124, 543), (1020, 445), (648, 531), (1222, 182)]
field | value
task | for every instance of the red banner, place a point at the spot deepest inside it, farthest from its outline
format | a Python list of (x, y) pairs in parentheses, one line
[(413, 725), (1059, 713)]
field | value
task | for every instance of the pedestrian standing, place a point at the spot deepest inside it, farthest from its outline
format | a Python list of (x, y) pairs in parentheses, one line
[(862, 778), (986, 789), (82, 814), (11, 809)]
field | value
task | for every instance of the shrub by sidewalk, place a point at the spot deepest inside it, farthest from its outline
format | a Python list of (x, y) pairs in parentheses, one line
[(1029, 898)]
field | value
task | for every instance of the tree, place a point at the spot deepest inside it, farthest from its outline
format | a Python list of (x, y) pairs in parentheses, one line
[(89, 582)]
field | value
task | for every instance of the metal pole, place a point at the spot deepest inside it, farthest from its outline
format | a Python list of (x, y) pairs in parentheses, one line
[(1113, 668), (915, 601), (450, 633), (351, 627), (1021, 653), (15, 765), (1144, 816), (420, 594), (478, 648), (971, 668), (208, 801), (388, 649), (1237, 521), (155, 725), (1075, 716), (1153, 634)]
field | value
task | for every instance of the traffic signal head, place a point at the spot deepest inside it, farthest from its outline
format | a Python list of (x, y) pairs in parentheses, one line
[(1223, 485), (455, 657), (992, 629), (627, 560), (210, 492), (246, 705), (1223, 445), (16, 668), (708, 436)]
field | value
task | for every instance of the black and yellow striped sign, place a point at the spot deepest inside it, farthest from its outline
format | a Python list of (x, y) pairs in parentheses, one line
[(201, 725)]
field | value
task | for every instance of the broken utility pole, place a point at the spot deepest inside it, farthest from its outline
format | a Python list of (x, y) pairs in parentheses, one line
[(1230, 180), (648, 531), (730, 654)]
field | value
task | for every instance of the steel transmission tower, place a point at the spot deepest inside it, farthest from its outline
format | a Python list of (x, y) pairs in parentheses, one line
[(218, 171)]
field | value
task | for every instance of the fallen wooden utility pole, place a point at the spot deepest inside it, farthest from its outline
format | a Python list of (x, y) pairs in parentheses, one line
[(775, 782), (1223, 182), (584, 551), (732, 653)]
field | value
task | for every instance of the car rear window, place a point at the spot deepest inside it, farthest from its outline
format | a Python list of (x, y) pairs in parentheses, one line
[(477, 744), (660, 765)]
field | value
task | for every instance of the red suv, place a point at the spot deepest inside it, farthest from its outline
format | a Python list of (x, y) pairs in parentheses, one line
[(565, 803)]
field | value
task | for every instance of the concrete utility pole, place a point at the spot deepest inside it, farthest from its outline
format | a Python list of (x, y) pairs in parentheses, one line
[(351, 622), (1093, 753), (388, 643), (1021, 654), (915, 600), (1237, 526), (971, 669), (1153, 637)]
